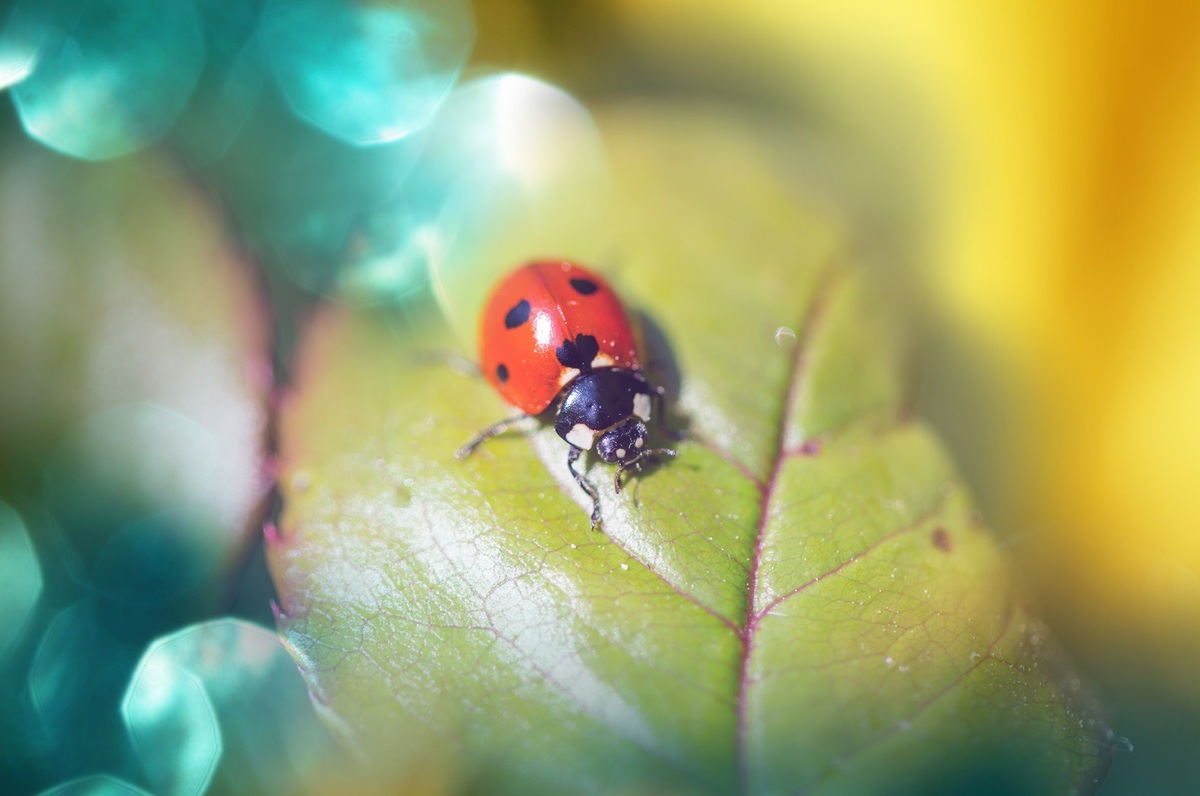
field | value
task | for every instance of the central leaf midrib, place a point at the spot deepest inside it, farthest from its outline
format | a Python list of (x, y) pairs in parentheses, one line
[(795, 374)]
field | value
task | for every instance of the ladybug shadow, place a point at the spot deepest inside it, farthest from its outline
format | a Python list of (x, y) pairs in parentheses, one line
[(662, 370)]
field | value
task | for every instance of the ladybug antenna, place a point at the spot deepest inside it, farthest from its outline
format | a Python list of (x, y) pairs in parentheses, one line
[(623, 466)]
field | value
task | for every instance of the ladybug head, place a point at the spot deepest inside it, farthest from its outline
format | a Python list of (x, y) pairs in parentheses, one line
[(624, 443)]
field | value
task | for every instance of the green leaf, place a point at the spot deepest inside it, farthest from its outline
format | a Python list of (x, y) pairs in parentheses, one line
[(801, 601), (135, 378)]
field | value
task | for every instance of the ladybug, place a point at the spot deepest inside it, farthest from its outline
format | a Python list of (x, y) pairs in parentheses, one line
[(555, 333)]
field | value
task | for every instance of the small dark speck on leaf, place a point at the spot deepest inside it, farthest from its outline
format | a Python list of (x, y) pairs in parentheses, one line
[(941, 539), (810, 447)]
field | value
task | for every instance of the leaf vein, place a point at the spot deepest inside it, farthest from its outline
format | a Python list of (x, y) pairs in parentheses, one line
[(797, 372)]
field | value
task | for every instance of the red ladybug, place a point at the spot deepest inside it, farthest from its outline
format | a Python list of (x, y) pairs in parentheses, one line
[(556, 333)]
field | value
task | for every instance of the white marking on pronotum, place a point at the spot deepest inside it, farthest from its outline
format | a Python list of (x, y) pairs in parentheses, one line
[(641, 405), (639, 442), (581, 436), (621, 453)]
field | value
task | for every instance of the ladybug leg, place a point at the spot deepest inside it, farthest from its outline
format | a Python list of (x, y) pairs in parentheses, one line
[(623, 466), (659, 397), (586, 485), (637, 462), (489, 432), (617, 478)]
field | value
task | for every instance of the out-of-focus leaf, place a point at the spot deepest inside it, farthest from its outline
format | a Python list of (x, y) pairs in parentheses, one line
[(136, 368), (801, 601), (133, 420)]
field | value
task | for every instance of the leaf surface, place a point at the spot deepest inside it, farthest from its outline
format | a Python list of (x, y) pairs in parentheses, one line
[(801, 601)]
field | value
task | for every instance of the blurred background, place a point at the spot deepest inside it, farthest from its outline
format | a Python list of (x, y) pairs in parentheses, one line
[(183, 181)]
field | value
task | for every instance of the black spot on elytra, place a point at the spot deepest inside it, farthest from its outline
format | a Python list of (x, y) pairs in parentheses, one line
[(578, 353), (584, 286), (502, 372), (941, 539), (517, 315)]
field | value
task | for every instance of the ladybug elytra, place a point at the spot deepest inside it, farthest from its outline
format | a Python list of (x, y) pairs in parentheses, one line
[(553, 332)]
